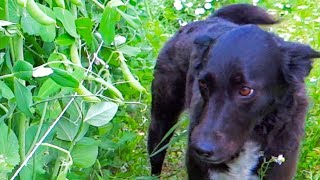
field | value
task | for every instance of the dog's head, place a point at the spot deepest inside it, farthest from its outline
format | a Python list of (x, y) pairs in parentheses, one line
[(237, 79)]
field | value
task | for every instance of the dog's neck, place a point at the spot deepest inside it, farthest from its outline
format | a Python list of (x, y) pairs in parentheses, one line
[(241, 167)]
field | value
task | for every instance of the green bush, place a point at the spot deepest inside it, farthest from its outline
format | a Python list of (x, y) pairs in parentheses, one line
[(75, 81)]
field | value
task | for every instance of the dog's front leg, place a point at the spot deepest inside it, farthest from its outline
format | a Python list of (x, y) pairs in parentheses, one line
[(168, 97)]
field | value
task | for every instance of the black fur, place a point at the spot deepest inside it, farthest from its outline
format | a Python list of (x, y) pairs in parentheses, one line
[(203, 68)]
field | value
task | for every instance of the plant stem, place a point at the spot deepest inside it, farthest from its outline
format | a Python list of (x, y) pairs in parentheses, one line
[(6, 76), (18, 47), (21, 119), (39, 128), (98, 4)]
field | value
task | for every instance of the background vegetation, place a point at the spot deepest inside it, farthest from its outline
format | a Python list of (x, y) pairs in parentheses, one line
[(75, 81)]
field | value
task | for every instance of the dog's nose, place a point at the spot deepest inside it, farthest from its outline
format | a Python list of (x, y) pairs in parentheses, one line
[(205, 150)]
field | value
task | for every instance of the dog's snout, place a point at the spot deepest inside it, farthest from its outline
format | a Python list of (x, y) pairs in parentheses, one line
[(205, 150)]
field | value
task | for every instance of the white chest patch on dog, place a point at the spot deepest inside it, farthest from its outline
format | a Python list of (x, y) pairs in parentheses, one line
[(241, 167)]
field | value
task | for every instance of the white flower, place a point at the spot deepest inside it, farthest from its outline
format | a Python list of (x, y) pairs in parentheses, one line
[(2, 158), (42, 72), (207, 1), (199, 11), (178, 5), (279, 160), (182, 23), (278, 5), (189, 4), (183, 0), (207, 6), (313, 79), (118, 40), (255, 2)]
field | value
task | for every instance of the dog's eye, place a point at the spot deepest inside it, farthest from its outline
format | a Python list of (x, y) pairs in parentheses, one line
[(203, 84), (245, 91)]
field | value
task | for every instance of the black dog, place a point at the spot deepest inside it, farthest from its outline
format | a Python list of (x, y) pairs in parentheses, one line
[(244, 88)]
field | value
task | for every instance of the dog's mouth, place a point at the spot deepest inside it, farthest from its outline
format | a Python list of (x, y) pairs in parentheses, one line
[(222, 160)]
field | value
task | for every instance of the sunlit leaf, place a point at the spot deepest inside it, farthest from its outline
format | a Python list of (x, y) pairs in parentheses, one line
[(64, 40), (107, 25), (101, 113)]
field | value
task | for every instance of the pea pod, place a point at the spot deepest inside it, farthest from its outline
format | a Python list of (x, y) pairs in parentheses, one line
[(128, 76), (63, 78), (22, 3), (86, 94), (108, 85), (76, 2), (37, 14), (61, 4), (74, 54)]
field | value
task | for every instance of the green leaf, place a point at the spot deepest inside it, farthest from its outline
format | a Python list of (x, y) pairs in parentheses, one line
[(67, 19), (32, 27), (101, 113), (55, 56), (64, 40), (5, 91), (47, 32), (85, 152), (129, 50), (67, 130), (108, 25), (131, 20), (9, 155), (23, 70), (84, 27), (29, 25), (48, 88), (23, 97), (63, 78), (4, 41)]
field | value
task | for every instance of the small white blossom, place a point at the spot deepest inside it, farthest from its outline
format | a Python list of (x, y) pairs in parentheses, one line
[(279, 160), (2, 158), (42, 72), (183, 0), (178, 5), (118, 40), (302, 7), (199, 11), (189, 4), (182, 23), (207, 6), (298, 18), (207, 1), (313, 79), (255, 2), (278, 5)]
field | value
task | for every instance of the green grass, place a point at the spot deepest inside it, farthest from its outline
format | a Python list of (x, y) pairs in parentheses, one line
[(118, 149), (299, 22)]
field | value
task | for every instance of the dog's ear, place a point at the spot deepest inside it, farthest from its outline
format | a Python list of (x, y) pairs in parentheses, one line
[(200, 49), (298, 61)]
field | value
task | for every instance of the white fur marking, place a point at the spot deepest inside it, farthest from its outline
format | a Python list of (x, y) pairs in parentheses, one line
[(240, 168)]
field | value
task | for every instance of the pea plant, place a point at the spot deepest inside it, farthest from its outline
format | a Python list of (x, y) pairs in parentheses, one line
[(65, 69)]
